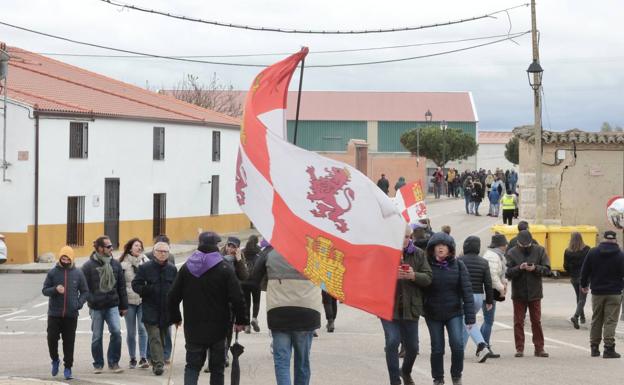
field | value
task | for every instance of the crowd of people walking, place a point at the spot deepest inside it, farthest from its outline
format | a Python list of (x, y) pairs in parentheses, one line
[(220, 288)]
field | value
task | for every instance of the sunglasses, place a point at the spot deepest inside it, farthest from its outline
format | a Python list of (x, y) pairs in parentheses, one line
[(108, 246)]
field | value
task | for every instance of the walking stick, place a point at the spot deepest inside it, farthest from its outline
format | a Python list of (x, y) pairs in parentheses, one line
[(175, 337)]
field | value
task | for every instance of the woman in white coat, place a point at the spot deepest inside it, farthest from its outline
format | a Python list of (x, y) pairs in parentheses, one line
[(131, 259), (495, 255)]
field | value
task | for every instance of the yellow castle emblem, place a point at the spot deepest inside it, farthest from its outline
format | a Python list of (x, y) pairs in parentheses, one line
[(325, 266), (418, 192)]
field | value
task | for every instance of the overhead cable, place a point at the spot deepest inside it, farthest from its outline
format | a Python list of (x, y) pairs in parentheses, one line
[(318, 32), (511, 35), (261, 65)]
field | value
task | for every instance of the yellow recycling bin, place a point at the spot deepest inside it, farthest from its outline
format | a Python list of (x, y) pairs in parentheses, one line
[(508, 231), (538, 232), (559, 238)]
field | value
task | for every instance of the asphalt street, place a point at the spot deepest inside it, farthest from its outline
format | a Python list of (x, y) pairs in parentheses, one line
[(354, 354)]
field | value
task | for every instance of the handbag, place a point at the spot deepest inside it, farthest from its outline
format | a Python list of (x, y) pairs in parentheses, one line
[(497, 295)]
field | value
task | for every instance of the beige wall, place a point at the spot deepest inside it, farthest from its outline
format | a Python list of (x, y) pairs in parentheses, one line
[(577, 188)]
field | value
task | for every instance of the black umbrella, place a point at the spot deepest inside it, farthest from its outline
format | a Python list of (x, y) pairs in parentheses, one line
[(236, 349)]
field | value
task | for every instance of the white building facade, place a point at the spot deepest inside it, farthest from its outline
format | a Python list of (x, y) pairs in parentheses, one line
[(73, 176)]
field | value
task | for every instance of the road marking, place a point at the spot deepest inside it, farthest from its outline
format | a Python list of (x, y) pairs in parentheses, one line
[(13, 313), (40, 304), (20, 318), (547, 338), (11, 333)]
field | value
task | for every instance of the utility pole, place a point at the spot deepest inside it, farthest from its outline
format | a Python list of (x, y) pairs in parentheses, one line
[(539, 189)]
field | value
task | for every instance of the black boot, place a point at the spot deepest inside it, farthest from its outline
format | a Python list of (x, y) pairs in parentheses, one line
[(330, 326), (609, 352), (595, 351)]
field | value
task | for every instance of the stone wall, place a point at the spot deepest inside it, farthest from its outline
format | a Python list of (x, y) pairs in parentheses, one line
[(576, 188)]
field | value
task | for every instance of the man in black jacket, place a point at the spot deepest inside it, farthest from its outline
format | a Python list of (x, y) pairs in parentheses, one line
[(208, 287), (526, 264), (107, 301), (152, 283), (67, 288), (604, 270), (480, 278)]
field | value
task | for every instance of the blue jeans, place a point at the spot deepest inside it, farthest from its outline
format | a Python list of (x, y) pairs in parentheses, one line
[(475, 332), (283, 345), (395, 332), (488, 322), (112, 319), (468, 205), (134, 320), (454, 328)]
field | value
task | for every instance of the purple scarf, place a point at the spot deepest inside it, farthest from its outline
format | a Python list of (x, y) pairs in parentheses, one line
[(410, 249), (444, 265)]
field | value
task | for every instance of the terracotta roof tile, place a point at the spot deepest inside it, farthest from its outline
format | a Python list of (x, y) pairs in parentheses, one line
[(55, 87), (494, 137), (382, 106), (571, 136), (377, 106)]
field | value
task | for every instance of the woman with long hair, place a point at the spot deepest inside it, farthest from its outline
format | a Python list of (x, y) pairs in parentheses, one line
[(573, 259), (131, 258), (250, 289)]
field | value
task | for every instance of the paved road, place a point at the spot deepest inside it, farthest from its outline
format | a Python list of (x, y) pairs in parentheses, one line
[(352, 355)]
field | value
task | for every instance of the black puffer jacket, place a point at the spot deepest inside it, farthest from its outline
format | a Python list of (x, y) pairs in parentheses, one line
[(98, 300), (152, 282), (71, 301), (478, 268), (450, 292), (573, 261)]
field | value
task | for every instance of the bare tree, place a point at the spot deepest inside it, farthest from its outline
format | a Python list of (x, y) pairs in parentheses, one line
[(215, 95)]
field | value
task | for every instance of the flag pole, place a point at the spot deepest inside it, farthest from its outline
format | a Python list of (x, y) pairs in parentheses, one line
[(298, 101)]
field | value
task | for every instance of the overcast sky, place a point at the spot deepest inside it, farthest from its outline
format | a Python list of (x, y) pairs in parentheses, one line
[(581, 49)]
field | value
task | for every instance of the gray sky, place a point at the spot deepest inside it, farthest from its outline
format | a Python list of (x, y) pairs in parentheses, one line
[(581, 46)]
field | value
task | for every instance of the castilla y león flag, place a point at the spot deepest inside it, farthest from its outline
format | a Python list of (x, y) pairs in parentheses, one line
[(325, 217), (411, 202)]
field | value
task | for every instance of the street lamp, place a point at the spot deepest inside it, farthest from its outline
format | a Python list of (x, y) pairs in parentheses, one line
[(535, 72), (443, 127)]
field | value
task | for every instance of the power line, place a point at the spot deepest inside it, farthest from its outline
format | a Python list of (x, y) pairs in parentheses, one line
[(419, 56), (287, 30), (260, 65), (512, 35)]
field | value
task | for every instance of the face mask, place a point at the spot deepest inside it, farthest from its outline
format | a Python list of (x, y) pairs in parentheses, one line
[(66, 264)]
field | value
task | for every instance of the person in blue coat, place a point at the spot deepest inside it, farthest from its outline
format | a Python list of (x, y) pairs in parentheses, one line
[(67, 288)]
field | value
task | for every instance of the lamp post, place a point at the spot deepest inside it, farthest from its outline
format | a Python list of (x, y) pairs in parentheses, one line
[(443, 127), (428, 117), (534, 73)]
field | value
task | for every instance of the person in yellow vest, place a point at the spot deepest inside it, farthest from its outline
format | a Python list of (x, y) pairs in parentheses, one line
[(509, 203)]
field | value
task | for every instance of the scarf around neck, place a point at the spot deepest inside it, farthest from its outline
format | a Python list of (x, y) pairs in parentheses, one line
[(107, 276)]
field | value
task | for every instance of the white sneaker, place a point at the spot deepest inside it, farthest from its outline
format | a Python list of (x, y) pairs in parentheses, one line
[(482, 353)]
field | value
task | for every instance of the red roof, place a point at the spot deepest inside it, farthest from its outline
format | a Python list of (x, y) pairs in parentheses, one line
[(382, 106), (51, 86), (494, 137)]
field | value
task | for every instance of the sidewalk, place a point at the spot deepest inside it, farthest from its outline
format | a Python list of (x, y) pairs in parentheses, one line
[(27, 381), (177, 249)]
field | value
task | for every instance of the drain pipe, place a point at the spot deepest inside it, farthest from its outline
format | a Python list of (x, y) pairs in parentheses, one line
[(36, 232), (4, 66)]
